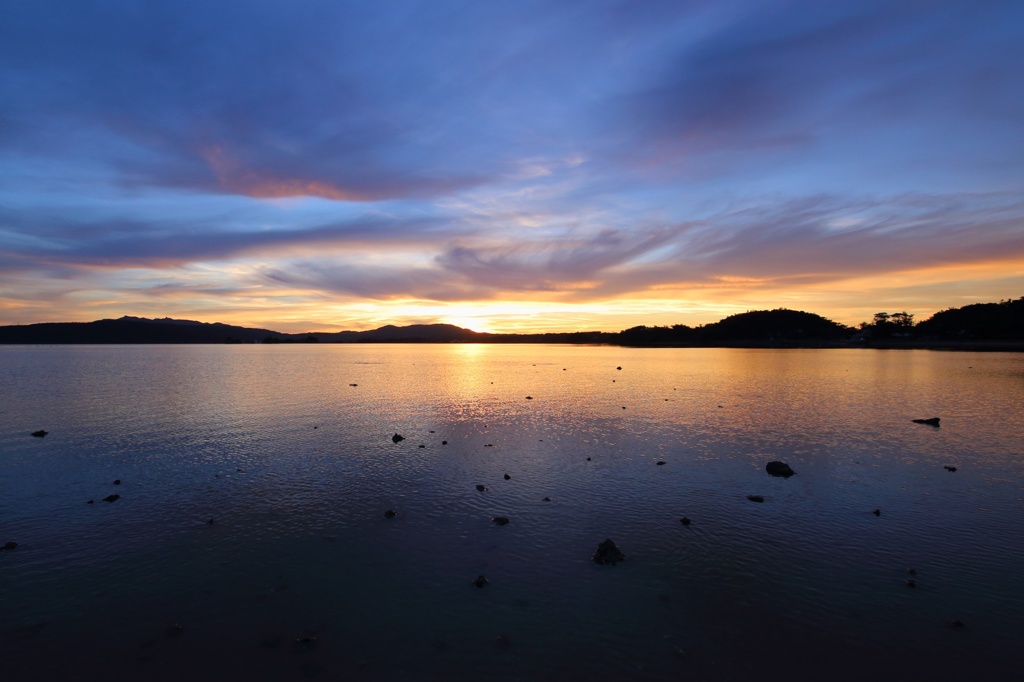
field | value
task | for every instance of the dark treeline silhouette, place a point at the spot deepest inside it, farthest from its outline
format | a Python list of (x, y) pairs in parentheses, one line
[(981, 325)]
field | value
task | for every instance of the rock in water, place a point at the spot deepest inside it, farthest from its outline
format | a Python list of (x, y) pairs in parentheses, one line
[(481, 488), (397, 438), (685, 521), (779, 469), (934, 421), (507, 477), (608, 553), (40, 433), (10, 545), (390, 514), (500, 520), (481, 581), (755, 498), (949, 468), (112, 498)]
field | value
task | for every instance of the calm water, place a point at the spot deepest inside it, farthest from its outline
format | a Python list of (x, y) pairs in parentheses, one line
[(296, 467)]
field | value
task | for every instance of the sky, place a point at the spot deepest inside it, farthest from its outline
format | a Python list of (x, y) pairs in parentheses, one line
[(320, 165)]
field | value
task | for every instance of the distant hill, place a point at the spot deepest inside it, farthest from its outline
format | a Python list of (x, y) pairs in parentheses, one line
[(780, 327), (1003, 321), (980, 325), (140, 330)]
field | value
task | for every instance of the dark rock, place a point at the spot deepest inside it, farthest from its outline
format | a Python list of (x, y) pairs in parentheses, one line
[(588, 459), (112, 498), (481, 488), (507, 477), (444, 442), (209, 522), (934, 421), (529, 397), (877, 512), (500, 520), (660, 462), (608, 553), (481, 581), (779, 469), (685, 521), (91, 502), (911, 571), (755, 498), (503, 642), (175, 629), (546, 499), (40, 433), (422, 446), (948, 468), (390, 514), (911, 583), (488, 445), (957, 623), (10, 545), (397, 438), (353, 384), (117, 481), (619, 368)]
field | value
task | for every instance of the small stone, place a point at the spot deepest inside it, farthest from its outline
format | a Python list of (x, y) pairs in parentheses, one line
[(500, 520), (660, 462), (353, 384), (608, 553), (390, 514), (911, 583), (685, 521), (397, 438), (957, 623), (422, 446), (488, 445), (112, 498), (481, 488), (911, 571), (618, 368), (529, 397), (10, 545), (755, 498), (481, 581), (91, 502), (588, 459), (40, 433), (949, 468), (209, 522), (877, 512), (507, 477), (779, 469), (546, 499), (503, 642), (117, 481), (444, 442), (175, 629), (933, 421)]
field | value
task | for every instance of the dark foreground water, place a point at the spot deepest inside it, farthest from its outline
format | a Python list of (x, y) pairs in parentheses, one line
[(301, 576)]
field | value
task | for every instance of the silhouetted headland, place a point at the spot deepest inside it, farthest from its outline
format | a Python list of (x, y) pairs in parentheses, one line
[(980, 326)]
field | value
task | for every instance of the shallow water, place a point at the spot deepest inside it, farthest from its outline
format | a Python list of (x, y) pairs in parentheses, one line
[(295, 466)]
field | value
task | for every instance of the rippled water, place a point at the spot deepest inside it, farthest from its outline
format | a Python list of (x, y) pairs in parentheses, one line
[(301, 576)]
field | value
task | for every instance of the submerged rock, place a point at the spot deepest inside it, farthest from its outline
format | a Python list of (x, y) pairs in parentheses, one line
[(949, 468), (685, 521), (500, 520), (608, 553), (112, 498), (755, 498), (481, 488), (481, 581), (877, 512), (397, 438), (10, 545), (546, 499), (390, 514), (40, 433), (934, 421), (507, 477), (779, 469), (117, 481), (660, 462)]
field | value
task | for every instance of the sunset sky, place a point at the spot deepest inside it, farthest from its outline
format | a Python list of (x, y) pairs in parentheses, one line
[(318, 165)]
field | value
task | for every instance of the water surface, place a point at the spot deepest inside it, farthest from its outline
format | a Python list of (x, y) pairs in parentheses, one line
[(301, 576)]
